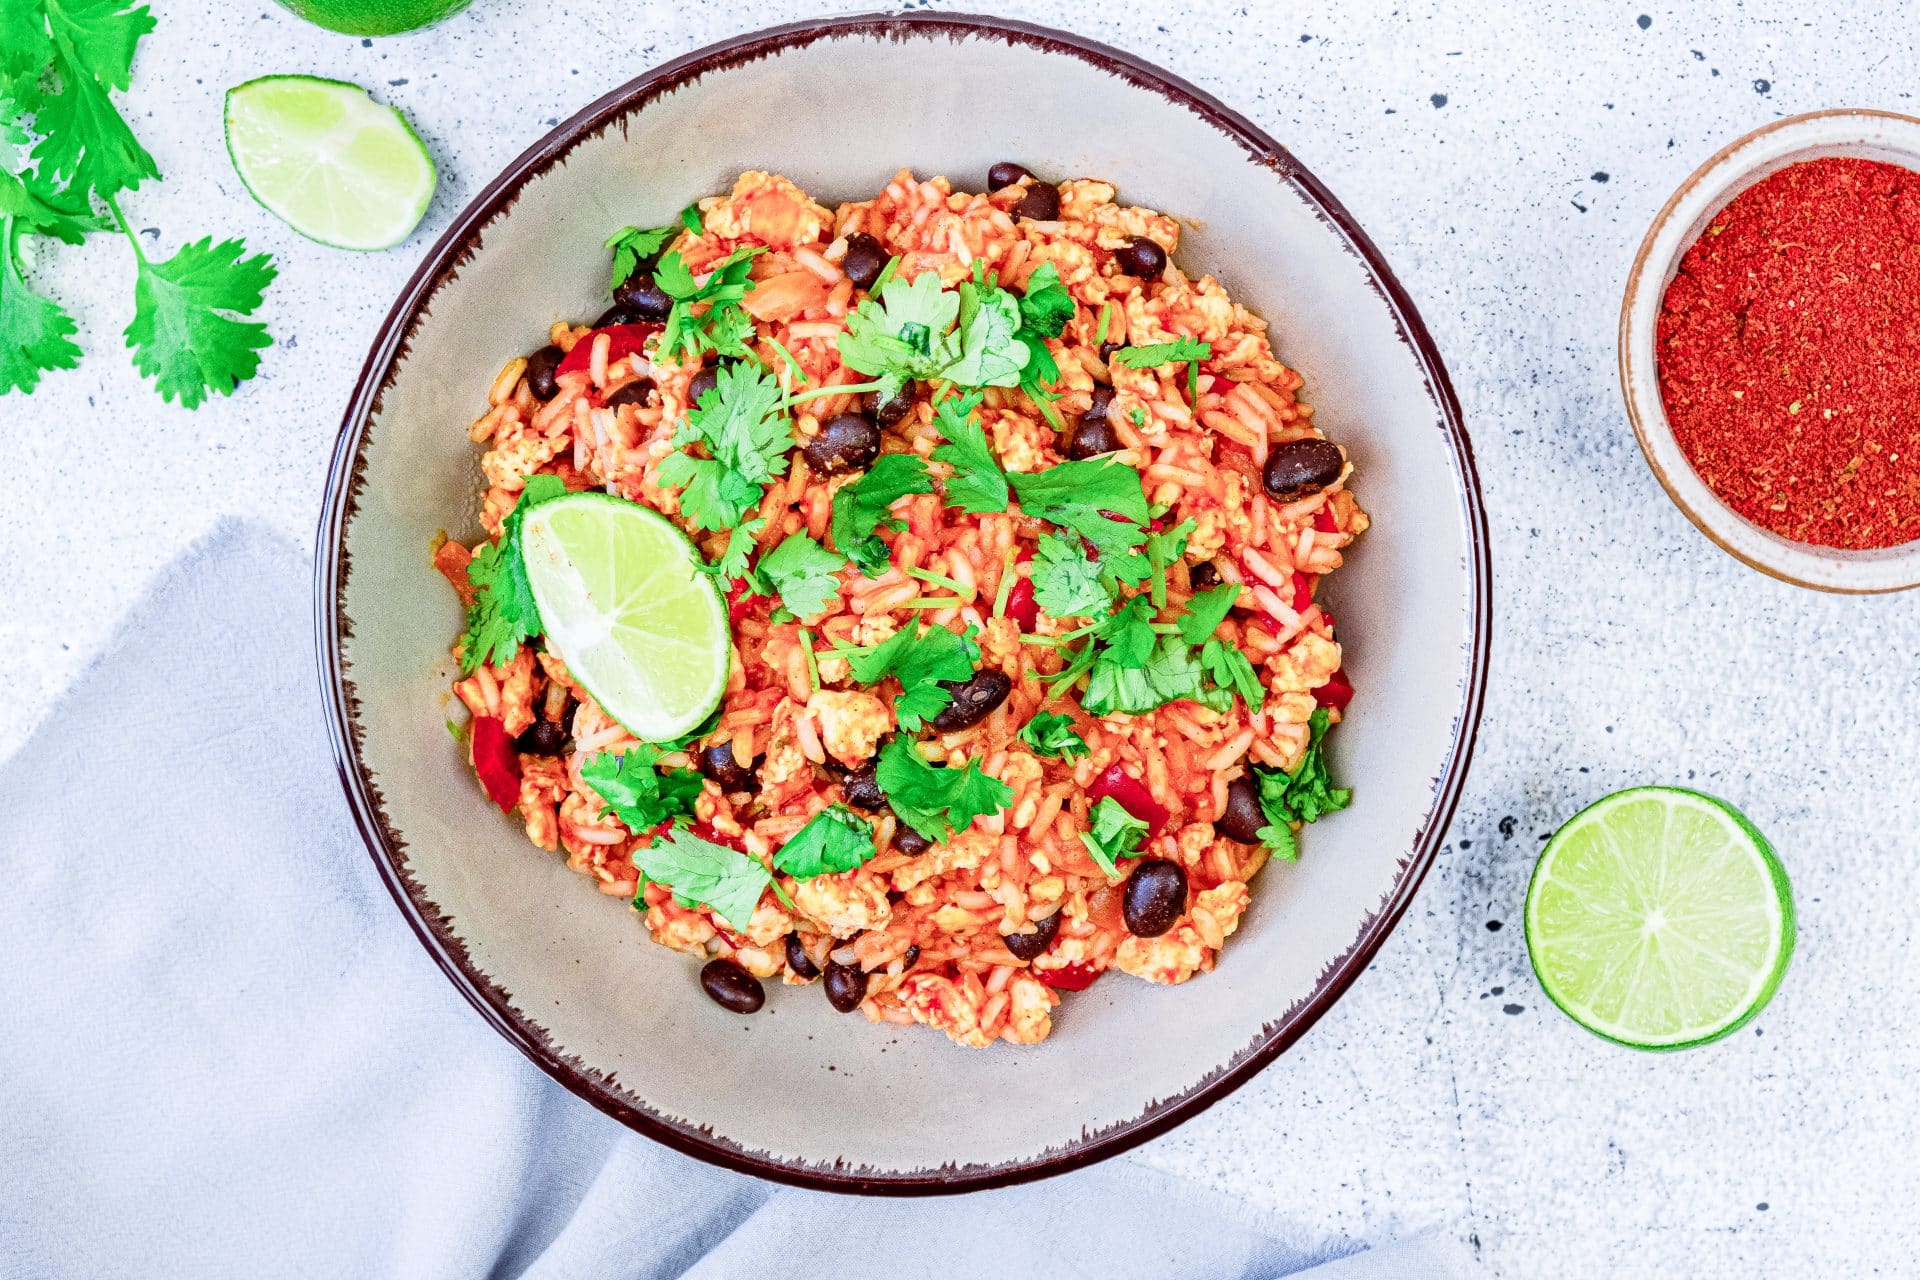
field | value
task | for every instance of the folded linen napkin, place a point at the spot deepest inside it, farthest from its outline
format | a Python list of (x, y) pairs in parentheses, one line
[(227, 1056)]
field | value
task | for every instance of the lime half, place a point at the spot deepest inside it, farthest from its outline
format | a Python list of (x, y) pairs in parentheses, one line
[(328, 160), (1659, 918), (374, 17), (624, 603)]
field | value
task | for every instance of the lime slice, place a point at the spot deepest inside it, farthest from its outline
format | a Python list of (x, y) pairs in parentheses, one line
[(374, 17), (1659, 918), (331, 162), (625, 605)]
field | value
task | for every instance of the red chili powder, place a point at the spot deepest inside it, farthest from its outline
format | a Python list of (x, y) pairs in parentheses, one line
[(1789, 354)]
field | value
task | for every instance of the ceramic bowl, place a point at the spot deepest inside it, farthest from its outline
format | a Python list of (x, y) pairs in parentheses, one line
[(1868, 135), (799, 1092)]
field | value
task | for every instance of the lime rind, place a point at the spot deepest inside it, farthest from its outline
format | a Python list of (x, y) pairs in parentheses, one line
[(624, 603), (1720, 930), (325, 158)]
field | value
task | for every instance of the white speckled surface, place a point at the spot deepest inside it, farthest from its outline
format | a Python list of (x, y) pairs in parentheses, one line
[(1507, 163)]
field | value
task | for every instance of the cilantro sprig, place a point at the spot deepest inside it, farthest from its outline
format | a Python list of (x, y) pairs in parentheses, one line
[(921, 658), (1112, 834), (977, 484), (1187, 351), (804, 574), (635, 790), (833, 841), (934, 800), (634, 246), (61, 62), (860, 508), (1053, 736), (503, 615), (706, 316), (1307, 794), (746, 435), (704, 874)]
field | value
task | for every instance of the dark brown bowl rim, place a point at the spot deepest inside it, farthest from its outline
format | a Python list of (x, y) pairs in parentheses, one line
[(329, 585)]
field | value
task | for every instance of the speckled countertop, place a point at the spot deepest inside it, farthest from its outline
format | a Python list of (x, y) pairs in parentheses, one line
[(1507, 160)]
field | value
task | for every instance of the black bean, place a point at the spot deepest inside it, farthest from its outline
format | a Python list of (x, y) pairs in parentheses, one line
[(1243, 817), (1302, 467), (542, 738), (799, 963), (912, 956), (1005, 174), (639, 294), (1142, 259), (862, 790), (909, 841), (634, 393), (1203, 575), (888, 412), (1041, 203), (866, 259), (731, 987), (846, 985), (1093, 437), (1100, 399), (1155, 897), (1107, 350), (845, 442), (973, 700), (1028, 946), (703, 382), (540, 367), (717, 762)]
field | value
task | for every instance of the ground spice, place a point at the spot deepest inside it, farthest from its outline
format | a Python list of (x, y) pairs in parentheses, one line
[(1789, 354)]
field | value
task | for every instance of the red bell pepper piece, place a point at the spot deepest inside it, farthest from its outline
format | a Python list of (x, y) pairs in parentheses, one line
[(1021, 606), (622, 340), (1336, 693), (1069, 977), (1128, 792), (707, 833), (1303, 591), (495, 760), (1323, 521)]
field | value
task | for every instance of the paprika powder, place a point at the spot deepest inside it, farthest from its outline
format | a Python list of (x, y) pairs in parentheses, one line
[(1789, 353)]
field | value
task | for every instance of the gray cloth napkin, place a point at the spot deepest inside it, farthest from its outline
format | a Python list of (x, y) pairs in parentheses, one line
[(225, 1054)]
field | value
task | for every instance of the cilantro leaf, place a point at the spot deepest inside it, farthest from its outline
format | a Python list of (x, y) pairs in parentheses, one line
[(50, 213), (35, 333), (634, 245), (1053, 736), (1206, 611), (1046, 306), (1074, 494), (707, 317), (991, 353), (636, 791), (1171, 673), (747, 436), (1307, 794), (1128, 633), (1180, 351), (1114, 834), (804, 573), (690, 218), (900, 333), (503, 615), (920, 659), (85, 143), (185, 332), (835, 840), (977, 484), (936, 802), (1067, 583), (1229, 669), (99, 37), (860, 508), (725, 881), (733, 557)]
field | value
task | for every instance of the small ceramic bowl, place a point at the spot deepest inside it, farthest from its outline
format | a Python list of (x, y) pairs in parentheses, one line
[(799, 1092), (1867, 135)]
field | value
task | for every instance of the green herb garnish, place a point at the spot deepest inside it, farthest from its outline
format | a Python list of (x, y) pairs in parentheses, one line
[(704, 874), (805, 574), (833, 841), (1305, 795), (635, 245), (1066, 582), (503, 615), (977, 484), (706, 317), (860, 508), (1113, 834), (746, 435), (920, 659), (1180, 351), (636, 791), (1053, 736), (937, 802)]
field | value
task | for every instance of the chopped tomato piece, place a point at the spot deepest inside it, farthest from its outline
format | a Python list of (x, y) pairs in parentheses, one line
[(1303, 591), (1337, 692), (622, 340), (495, 760), (707, 833), (452, 559), (1323, 521), (741, 600), (1069, 977), (1130, 794), (1021, 606)]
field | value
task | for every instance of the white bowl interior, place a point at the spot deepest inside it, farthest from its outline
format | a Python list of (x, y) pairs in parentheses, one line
[(1863, 135), (799, 1084)]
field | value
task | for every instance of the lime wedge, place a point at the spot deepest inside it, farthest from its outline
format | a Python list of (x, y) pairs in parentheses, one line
[(374, 17), (1659, 918), (625, 605), (331, 162)]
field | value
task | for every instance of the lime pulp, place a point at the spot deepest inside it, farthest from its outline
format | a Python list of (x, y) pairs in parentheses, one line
[(329, 161), (1659, 918), (625, 605)]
